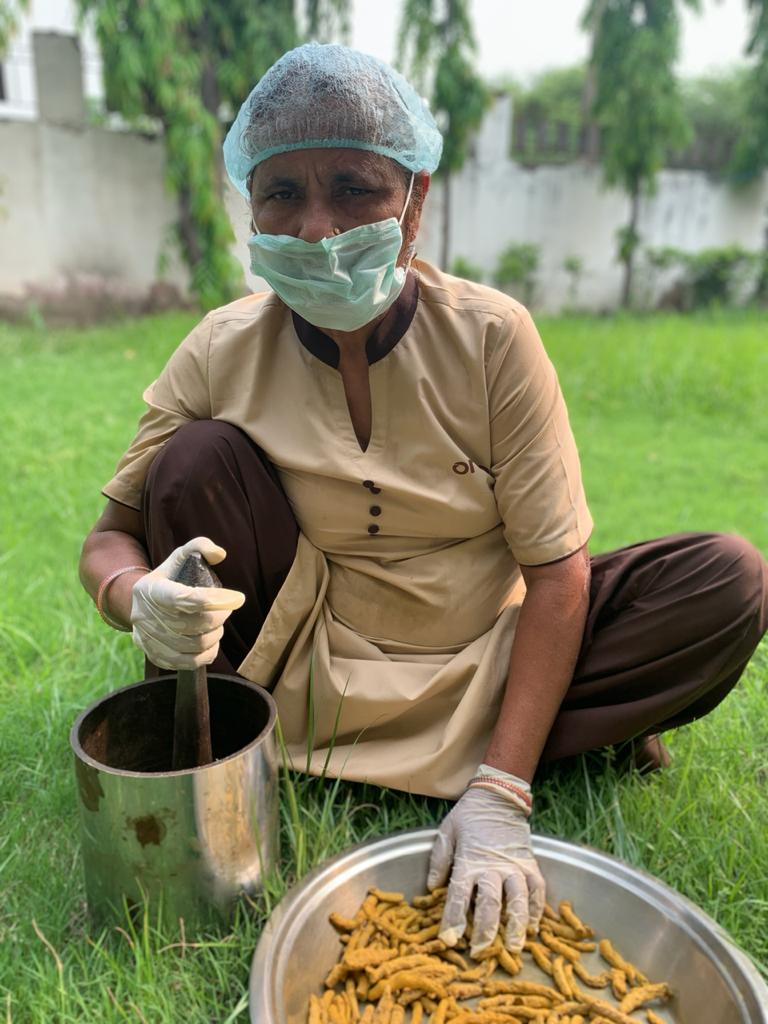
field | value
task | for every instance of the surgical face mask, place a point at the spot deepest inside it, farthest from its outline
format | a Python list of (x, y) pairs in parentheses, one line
[(342, 282)]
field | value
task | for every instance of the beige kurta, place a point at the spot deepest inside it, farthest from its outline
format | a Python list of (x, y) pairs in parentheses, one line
[(388, 651)]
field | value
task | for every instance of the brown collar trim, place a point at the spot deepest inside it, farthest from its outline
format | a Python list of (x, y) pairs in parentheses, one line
[(385, 335)]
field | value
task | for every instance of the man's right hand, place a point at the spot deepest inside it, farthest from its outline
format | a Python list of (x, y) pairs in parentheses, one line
[(176, 626)]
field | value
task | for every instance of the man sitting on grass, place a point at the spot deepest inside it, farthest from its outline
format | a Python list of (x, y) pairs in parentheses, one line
[(385, 453)]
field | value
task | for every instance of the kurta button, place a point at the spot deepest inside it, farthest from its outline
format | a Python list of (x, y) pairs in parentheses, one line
[(375, 510), (373, 528), (368, 483)]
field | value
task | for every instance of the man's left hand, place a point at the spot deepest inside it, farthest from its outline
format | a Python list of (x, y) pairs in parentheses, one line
[(488, 839)]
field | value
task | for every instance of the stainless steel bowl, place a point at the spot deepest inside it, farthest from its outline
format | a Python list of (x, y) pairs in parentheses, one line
[(668, 937)]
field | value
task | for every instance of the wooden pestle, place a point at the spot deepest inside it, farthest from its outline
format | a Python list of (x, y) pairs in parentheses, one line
[(192, 720)]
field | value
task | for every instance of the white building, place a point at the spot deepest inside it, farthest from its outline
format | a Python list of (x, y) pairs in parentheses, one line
[(18, 91)]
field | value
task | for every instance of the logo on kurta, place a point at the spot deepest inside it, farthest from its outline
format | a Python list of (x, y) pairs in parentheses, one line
[(462, 468)]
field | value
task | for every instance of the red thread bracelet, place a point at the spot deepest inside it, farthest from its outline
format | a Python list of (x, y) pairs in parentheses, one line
[(515, 791)]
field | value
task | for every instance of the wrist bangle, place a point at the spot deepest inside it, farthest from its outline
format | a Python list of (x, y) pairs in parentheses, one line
[(104, 586)]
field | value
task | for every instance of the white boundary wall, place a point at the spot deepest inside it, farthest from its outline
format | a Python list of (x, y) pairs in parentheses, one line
[(567, 211), (85, 203), (79, 205)]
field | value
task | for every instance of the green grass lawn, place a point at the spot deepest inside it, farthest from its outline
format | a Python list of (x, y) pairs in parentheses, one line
[(670, 417)]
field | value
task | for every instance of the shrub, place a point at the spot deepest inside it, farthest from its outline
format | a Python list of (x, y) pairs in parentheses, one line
[(466, 269), (728, 275), (761, 288), (720, 275), (574, 268), (517, 267)]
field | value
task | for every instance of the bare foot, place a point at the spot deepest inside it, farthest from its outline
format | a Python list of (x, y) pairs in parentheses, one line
[(649, 754)]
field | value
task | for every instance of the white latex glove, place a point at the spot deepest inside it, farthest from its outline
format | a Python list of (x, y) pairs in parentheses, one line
[(177, 626), (488, 839)]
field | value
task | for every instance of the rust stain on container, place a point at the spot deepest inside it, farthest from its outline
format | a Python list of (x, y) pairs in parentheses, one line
[(88, 784), (148, 829)]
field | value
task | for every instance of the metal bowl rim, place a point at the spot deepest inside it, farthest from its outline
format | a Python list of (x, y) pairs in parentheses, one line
[(262, 963), (81, 755)]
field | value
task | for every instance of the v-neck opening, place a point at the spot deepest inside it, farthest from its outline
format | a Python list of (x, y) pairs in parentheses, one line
[(385, 335), (340, 419), (360, 450), (366, 392), (383, 340)]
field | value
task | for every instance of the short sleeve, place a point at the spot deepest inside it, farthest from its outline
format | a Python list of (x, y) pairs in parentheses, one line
[(179, 395), (535, 463)]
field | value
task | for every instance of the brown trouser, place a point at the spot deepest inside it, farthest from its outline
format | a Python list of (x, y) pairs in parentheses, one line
[(672, 622)]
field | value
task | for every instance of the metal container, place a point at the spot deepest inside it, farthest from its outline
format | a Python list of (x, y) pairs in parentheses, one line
[(188, 842), (668, 937)]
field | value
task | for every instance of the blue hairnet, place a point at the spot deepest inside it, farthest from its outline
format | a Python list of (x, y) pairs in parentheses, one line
[(329, 95)]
